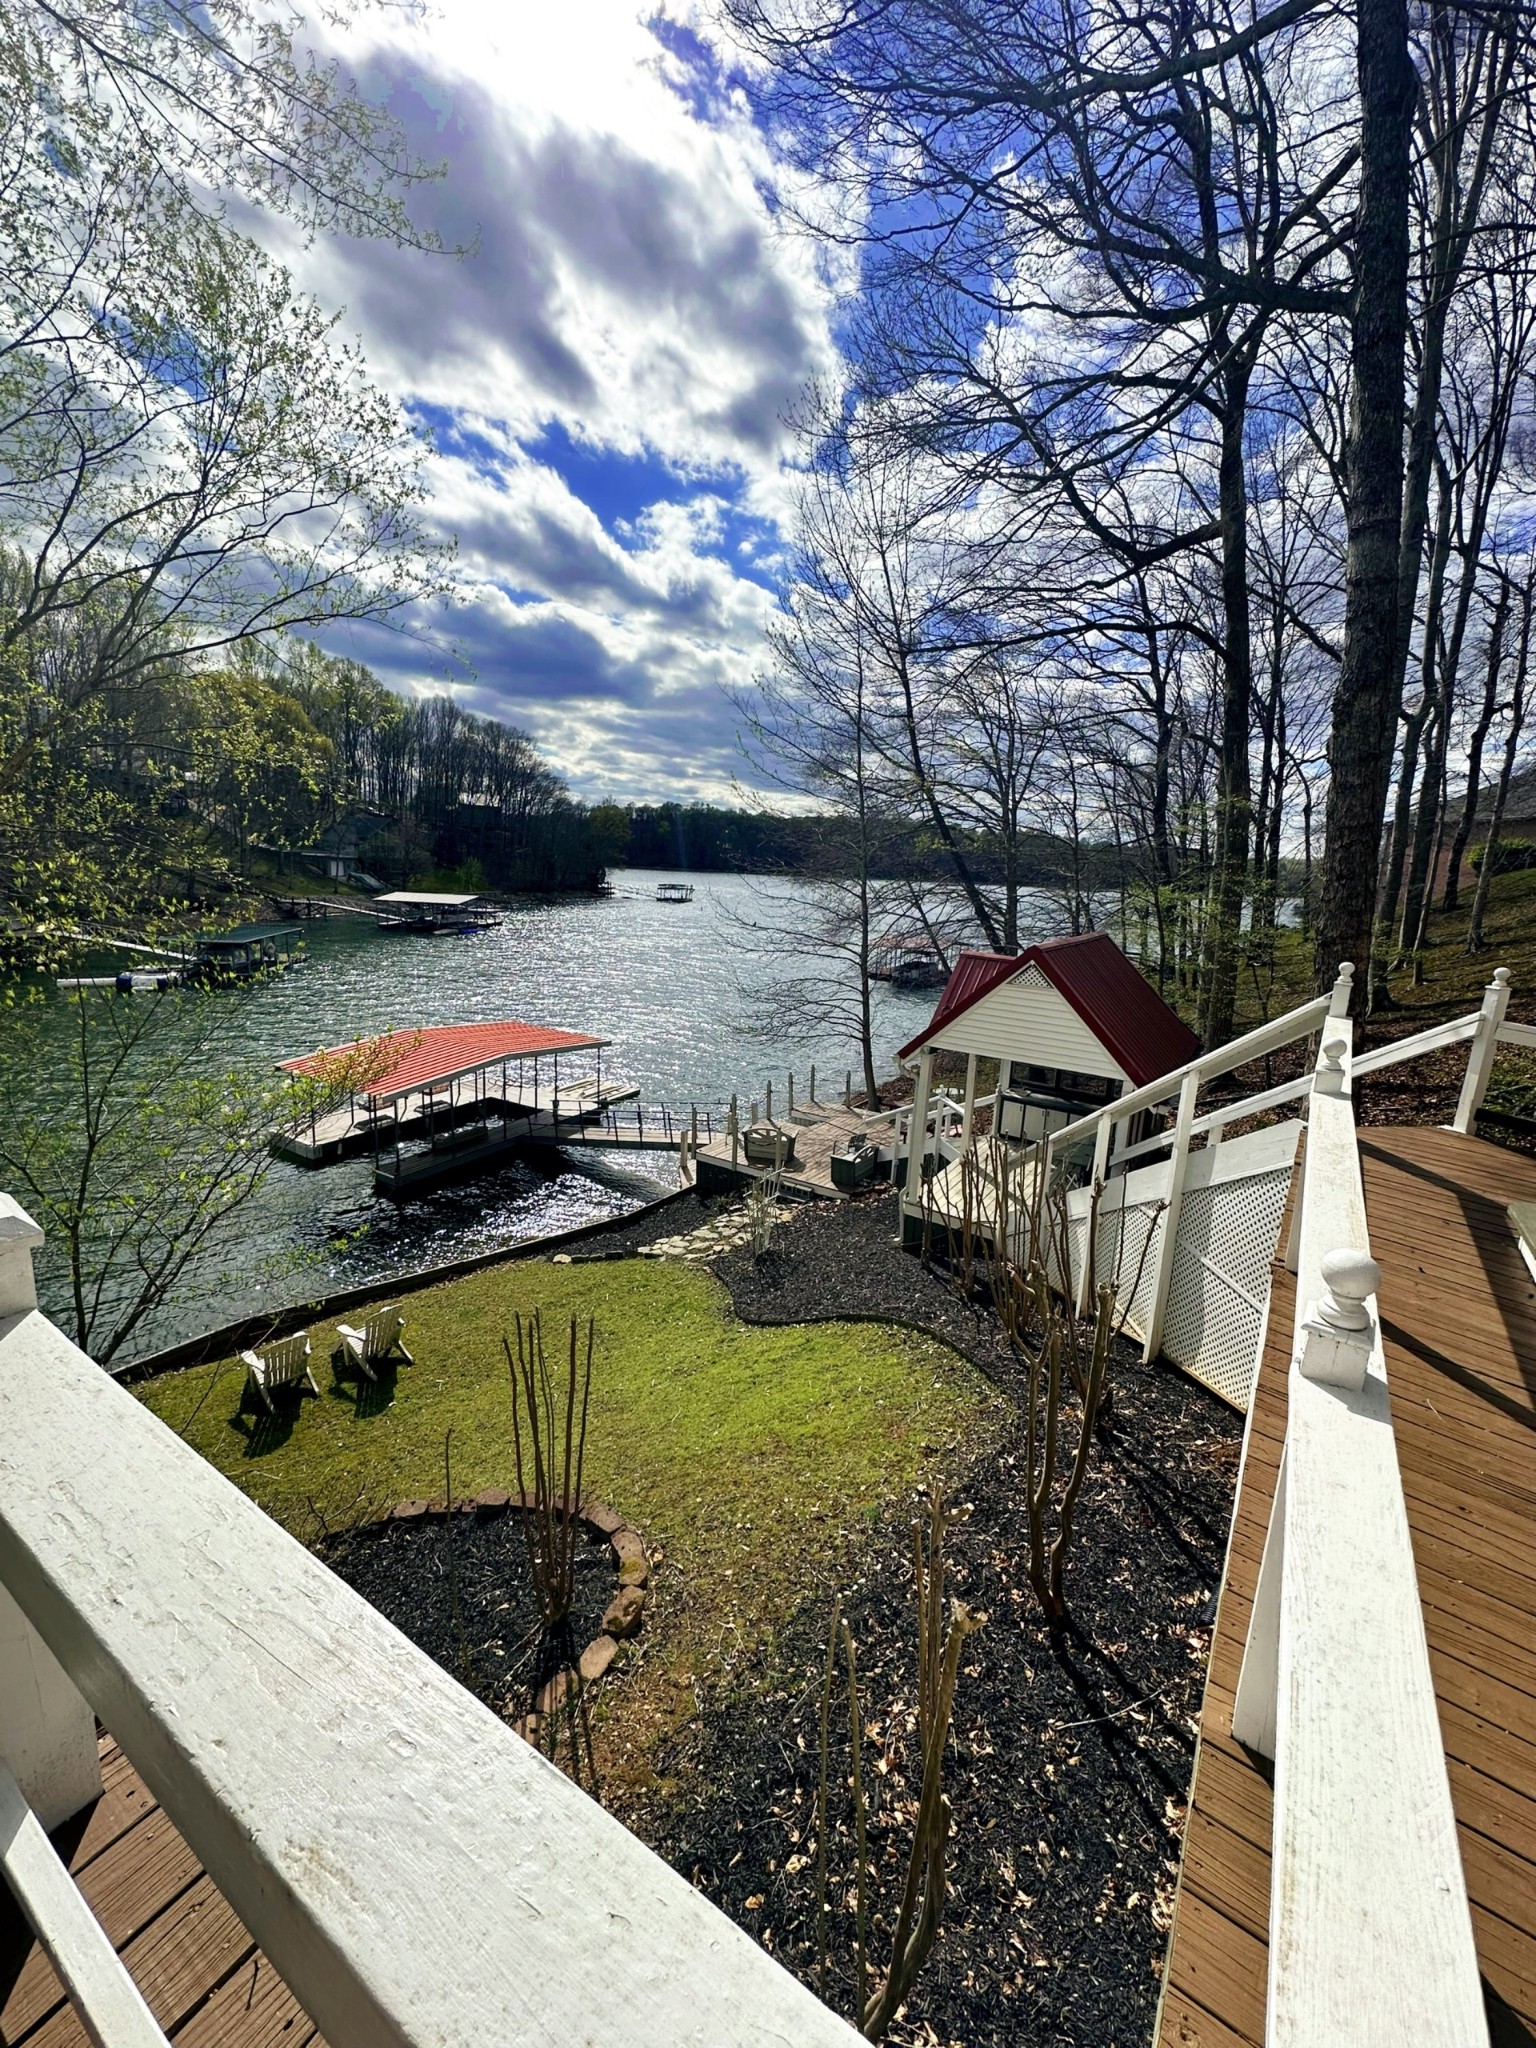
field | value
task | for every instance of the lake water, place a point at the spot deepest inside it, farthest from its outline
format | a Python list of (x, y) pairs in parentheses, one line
[(680, 990)]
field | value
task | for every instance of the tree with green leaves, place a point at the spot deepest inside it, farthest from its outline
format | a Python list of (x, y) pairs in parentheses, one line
[(138, 1149)]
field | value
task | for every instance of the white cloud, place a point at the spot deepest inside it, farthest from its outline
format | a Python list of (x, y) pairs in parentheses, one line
[(627, 289)]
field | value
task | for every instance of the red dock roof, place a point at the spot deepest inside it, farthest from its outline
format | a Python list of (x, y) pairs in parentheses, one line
[(1113, 997), (401, 1061)]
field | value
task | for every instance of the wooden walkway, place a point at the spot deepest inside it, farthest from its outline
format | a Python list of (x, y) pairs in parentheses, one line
[(1459, 1323), (205, 1980)]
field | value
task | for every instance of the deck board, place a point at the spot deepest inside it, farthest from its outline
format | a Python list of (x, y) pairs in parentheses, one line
[(1459, 1327), (203, 1977)]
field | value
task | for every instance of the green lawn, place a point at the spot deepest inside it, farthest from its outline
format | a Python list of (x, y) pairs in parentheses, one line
[(744, 1454)]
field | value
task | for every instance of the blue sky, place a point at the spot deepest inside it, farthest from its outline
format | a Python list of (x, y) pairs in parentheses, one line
[(605, 375)]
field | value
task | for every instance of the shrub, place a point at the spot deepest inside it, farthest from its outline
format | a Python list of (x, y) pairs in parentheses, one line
[(1507, 855)]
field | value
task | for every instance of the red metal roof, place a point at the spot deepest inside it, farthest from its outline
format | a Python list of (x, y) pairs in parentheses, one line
[(1113, 997), (405, 1060)]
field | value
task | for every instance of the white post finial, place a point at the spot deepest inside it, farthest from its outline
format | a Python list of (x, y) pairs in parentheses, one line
[(1338, 1331), (19, 1239), (1501, 977), (1343, 988), (1329, 1079)]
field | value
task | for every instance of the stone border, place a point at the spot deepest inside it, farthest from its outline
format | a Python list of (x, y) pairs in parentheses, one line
[(625, 1610), (255, 1330)]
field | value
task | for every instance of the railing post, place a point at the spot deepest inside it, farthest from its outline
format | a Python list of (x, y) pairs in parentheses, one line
[(20, 1237), (1338, 1330), (1482, 1052), (1164, 1272), (1095, 1180), (47, 1732)]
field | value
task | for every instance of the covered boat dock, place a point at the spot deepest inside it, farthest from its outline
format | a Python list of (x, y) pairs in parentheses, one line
[(247, 950), (423, 914), (438, 1100)]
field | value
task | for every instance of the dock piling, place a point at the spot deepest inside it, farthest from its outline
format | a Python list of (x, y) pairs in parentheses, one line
[(768, 1102), (848, 1089), (813, 1088), (791, 1095)]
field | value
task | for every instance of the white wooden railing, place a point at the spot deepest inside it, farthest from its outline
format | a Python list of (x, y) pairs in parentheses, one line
[(414, 1870), (1177, 1093), (1370, 1936)]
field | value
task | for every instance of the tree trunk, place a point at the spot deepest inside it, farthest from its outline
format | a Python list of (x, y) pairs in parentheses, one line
[(1366, 698), (1506, 770), (1478, 741)]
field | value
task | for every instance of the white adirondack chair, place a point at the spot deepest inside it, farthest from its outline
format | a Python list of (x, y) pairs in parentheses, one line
[(378, 1339), (285, 1364)]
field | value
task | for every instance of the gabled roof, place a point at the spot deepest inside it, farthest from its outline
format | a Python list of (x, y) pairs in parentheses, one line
[(1115, 1000), (407, 1060)]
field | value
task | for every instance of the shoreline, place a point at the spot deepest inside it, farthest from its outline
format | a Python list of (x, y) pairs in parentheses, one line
[(251, 1331)]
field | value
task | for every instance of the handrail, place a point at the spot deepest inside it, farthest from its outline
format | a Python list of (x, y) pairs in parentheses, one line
[(416, 1872), (1435, 1039), (110, 2005), (1370, 1937), (1252, 1045), (1217, 1119)]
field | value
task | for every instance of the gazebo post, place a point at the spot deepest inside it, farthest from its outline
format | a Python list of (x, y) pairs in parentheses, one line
[(917, 1129), (970, 1099)]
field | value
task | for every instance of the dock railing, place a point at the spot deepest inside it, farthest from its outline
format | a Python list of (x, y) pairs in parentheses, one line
[(414, 1870), (1370, 1933)]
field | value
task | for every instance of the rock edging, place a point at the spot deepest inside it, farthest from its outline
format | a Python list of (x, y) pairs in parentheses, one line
[(625, 1611)]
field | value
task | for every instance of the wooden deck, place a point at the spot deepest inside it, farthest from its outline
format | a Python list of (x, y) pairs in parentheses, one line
[(818, 1129), (205, 1980), (1459, 1324)]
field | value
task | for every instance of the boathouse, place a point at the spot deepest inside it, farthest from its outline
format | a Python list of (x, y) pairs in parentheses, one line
[(434, 914), (1071, 1024), (247, 950)]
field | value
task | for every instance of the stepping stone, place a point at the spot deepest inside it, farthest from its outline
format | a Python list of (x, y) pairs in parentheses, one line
[(553, 1696)]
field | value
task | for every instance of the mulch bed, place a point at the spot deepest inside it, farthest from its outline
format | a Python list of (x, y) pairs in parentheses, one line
[(1071, 1755), (415, 1573)]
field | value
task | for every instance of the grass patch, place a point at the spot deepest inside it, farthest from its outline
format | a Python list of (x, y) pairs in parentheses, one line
[(747, 1456)]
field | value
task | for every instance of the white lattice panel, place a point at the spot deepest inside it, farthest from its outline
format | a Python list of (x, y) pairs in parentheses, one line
[(1127, 1254), (1219, 1288)]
